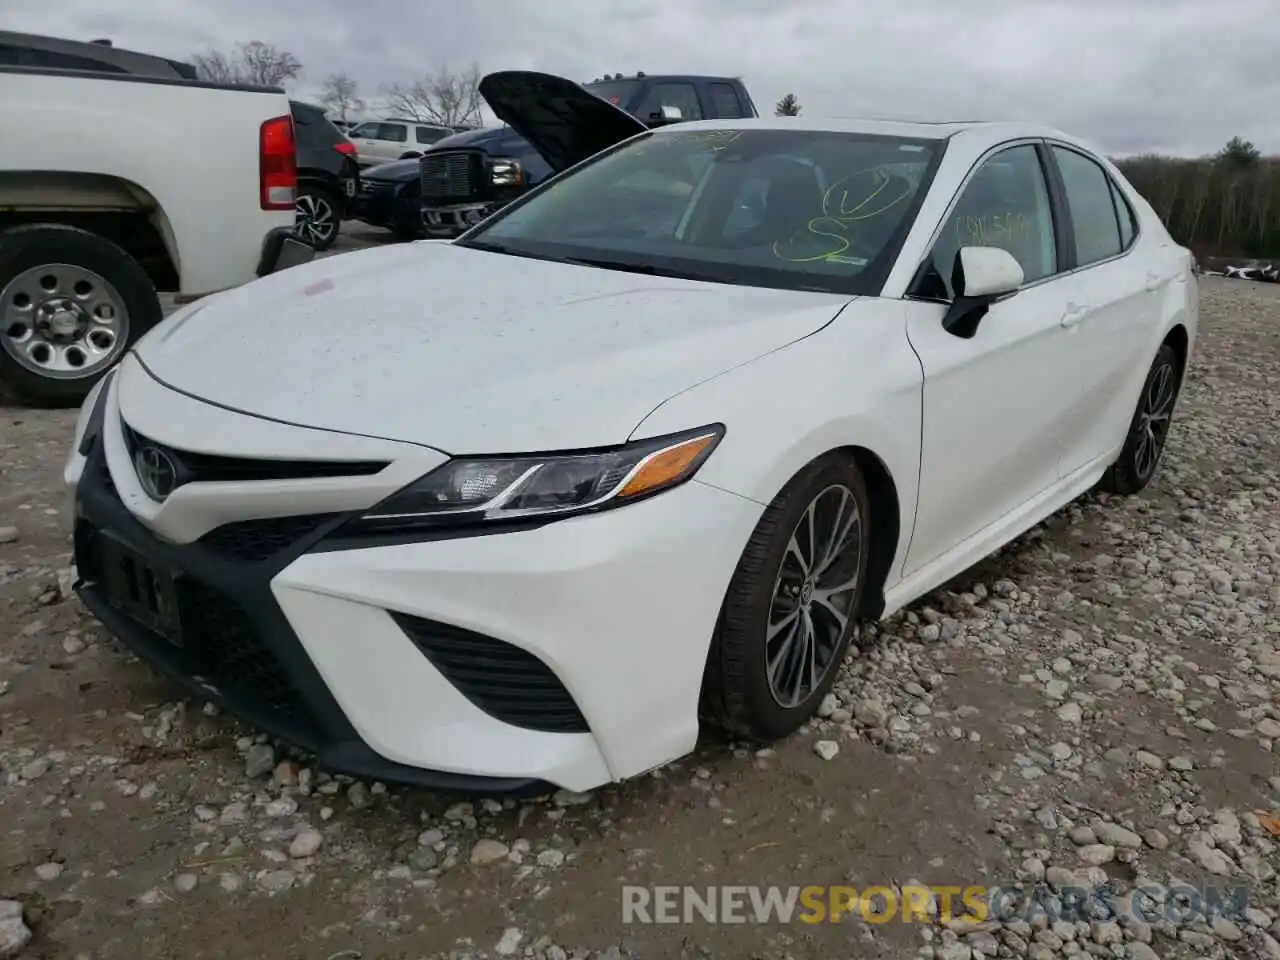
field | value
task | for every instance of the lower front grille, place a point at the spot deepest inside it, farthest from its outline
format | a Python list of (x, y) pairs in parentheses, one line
[(225, 640), (506, 682), (453, 176), (216, 639), (252, 541)]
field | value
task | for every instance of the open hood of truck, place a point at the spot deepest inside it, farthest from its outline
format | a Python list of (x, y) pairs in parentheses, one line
[(565, 123)]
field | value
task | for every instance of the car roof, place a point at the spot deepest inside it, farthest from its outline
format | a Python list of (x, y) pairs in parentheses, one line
[(996, 131)]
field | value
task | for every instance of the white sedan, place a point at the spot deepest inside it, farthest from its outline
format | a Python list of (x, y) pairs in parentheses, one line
[(636, 453)]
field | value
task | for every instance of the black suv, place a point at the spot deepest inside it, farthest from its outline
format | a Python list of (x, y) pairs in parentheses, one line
[(551, 124), (328, 176)]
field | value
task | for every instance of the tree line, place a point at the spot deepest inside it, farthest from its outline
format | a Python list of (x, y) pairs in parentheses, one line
[(1227, 205), (1224, 205)]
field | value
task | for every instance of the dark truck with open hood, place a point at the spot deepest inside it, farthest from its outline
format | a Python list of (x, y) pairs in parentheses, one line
[(550, 124)]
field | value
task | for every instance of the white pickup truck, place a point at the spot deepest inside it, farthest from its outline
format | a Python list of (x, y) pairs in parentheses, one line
[(122, 176)]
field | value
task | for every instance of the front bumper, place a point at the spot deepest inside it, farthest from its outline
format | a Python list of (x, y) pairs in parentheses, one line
[(384, 661), (454, 221), (281, 249), (387, 208)]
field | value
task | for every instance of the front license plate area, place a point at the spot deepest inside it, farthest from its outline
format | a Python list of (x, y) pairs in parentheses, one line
[(141, 591)]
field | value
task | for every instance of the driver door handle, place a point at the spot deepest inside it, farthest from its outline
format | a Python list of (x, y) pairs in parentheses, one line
[(1074, 314)]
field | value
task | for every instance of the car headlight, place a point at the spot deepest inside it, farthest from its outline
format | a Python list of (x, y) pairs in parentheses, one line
[(484, 490), (506, 173)]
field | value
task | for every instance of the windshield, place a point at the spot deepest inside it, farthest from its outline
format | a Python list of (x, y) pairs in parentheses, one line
[(617, 92), (774, 208)]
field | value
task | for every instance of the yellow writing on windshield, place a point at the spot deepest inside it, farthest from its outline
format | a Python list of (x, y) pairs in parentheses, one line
[(845, 203)]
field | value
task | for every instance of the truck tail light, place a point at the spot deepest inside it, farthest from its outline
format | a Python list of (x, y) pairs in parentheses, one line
[(277, 165), (347, 147)]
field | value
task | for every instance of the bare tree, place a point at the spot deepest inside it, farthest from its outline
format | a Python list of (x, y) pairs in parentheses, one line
[(252, 64), (447, 98), (215, 66), (340, 95)]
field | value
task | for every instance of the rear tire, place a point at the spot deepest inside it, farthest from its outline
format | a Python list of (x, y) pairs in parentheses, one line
[(1149, 429), (71, 305), (788, 615), (316, 218), (410, 155)]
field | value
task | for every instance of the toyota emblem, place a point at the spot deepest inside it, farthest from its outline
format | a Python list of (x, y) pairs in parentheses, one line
[(156, 471)]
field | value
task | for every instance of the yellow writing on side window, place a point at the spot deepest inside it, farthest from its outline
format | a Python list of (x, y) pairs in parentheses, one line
[(991, 229)]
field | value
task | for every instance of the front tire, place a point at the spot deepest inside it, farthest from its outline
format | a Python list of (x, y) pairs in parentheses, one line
[(316, 219), (1149, 430), (789, 613), (71, 304)]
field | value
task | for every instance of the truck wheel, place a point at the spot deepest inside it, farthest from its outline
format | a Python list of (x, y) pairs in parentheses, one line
[(71, 304), (410, 155), (316, 217)]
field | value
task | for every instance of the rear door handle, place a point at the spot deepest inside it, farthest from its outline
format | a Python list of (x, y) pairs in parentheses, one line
[(1075, 313)]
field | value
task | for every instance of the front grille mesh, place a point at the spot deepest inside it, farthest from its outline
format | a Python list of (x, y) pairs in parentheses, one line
[(225, 639), (221, 642), (506, 682), (452, 176), (252, 541)]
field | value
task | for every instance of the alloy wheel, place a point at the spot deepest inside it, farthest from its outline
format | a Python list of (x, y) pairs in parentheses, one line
[(813, 596), (314, 219), (1154, 418), (62, 321)]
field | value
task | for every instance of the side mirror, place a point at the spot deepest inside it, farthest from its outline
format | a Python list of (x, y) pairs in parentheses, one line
[(980, 277), (668, 114)]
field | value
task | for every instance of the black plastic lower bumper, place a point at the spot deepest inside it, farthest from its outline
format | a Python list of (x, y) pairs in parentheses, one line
[(225, 637), (390, 210), (281, 249)]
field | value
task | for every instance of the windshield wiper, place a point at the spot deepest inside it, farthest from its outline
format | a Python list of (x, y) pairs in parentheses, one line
[(484, 245), (645, 268), (489, 247)]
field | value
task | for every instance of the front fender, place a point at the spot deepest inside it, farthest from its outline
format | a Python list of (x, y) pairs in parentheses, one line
[(854, 383)]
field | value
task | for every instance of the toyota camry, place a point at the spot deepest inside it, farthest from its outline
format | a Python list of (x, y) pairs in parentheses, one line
[(638, 452)]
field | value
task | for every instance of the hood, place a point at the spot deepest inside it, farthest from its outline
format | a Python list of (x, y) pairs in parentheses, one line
[(396, 171), (468, 351), (564, 122)]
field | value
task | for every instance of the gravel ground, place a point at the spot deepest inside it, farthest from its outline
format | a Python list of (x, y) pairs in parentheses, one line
[(1099, 703)]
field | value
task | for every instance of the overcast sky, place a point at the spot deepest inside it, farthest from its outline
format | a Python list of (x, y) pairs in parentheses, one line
[(1175, 76)]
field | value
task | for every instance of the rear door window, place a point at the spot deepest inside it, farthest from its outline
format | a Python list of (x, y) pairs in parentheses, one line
[(395, 132), (430, 134), (682, 96), (1125, 214), (1093, 208), (724, 102)]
